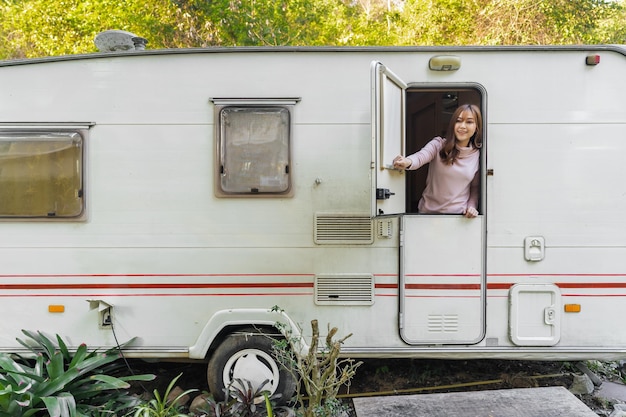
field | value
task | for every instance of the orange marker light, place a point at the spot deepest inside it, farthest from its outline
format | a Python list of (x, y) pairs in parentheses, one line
[(56, 308), (572, 308)]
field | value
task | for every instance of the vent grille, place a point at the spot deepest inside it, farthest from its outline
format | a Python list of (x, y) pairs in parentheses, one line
[(344, 289), (343, 228), (443, 323)]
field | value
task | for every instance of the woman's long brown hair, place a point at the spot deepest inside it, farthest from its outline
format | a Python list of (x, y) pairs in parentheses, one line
[(449, 152)]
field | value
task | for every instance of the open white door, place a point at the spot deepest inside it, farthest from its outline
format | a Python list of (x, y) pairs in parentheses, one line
[(388, 132)]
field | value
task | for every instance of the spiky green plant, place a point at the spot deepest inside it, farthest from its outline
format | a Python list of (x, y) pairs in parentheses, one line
[(160, 406), (64, 383)]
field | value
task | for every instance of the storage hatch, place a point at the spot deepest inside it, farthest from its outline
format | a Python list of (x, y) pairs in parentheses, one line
[(535, 314)]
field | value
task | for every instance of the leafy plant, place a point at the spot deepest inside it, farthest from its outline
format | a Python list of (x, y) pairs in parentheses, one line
[(320, 372), (243, 400), (160, 406), (249, 400), (215, 408), (62, 383)]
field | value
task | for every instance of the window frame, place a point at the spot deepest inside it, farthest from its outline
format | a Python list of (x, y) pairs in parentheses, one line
[(38, 130), (221, 104)]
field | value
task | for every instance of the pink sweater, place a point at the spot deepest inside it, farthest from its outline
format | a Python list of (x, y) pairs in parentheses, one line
[(449, 188)]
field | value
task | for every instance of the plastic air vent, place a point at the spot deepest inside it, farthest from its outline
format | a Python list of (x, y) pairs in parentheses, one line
[(343, 229), (344, 289), (443, 323)]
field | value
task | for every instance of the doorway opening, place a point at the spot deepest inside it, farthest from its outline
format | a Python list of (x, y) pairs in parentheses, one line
[(428, 113)]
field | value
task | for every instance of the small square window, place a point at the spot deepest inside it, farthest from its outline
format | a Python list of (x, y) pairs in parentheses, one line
[(254, 150), (41, 174)]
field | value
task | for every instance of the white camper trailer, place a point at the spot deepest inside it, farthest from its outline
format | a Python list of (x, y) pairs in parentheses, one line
[(176, 196)]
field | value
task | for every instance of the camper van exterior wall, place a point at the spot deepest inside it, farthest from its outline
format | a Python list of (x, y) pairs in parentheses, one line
[(178, 196)]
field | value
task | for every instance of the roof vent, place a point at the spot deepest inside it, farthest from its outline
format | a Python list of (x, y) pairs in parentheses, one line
[(119, 40)]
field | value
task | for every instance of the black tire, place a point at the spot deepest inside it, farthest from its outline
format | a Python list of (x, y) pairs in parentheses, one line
[(249, 357)]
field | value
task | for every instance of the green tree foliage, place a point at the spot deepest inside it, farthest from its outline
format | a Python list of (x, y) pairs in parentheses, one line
[(575, 21), (435, 22), (264, 22), (291, 22), (611, 24), (510, 22), (32, 28)]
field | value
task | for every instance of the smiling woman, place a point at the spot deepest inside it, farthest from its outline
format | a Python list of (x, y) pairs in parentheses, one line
[(453, 182)]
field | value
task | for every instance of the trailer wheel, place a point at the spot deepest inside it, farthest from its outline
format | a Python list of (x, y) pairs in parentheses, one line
[(249, 357)]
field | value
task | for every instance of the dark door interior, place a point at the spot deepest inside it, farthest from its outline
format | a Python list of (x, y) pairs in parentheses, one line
[(428, 113)]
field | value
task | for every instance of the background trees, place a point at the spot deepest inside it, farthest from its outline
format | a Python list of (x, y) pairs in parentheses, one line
[(33, 28)]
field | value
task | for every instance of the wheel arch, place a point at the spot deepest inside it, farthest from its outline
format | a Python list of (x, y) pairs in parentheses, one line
[(226, 322)]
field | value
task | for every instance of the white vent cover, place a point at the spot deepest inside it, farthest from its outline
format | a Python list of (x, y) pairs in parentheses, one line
[(344, 289), (333, 228), (443, 323)]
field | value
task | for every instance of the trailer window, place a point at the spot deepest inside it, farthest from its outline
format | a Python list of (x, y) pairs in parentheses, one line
[(41, 174), (254, 150)]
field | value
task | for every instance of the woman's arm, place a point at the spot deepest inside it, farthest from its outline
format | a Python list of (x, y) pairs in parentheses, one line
[(421, 157)]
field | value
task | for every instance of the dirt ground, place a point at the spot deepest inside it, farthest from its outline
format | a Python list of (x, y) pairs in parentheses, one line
[(410, 376), (413, 376)]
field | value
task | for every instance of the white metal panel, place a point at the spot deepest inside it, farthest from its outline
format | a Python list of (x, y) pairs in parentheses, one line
[(562, 182), (176, 89)]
